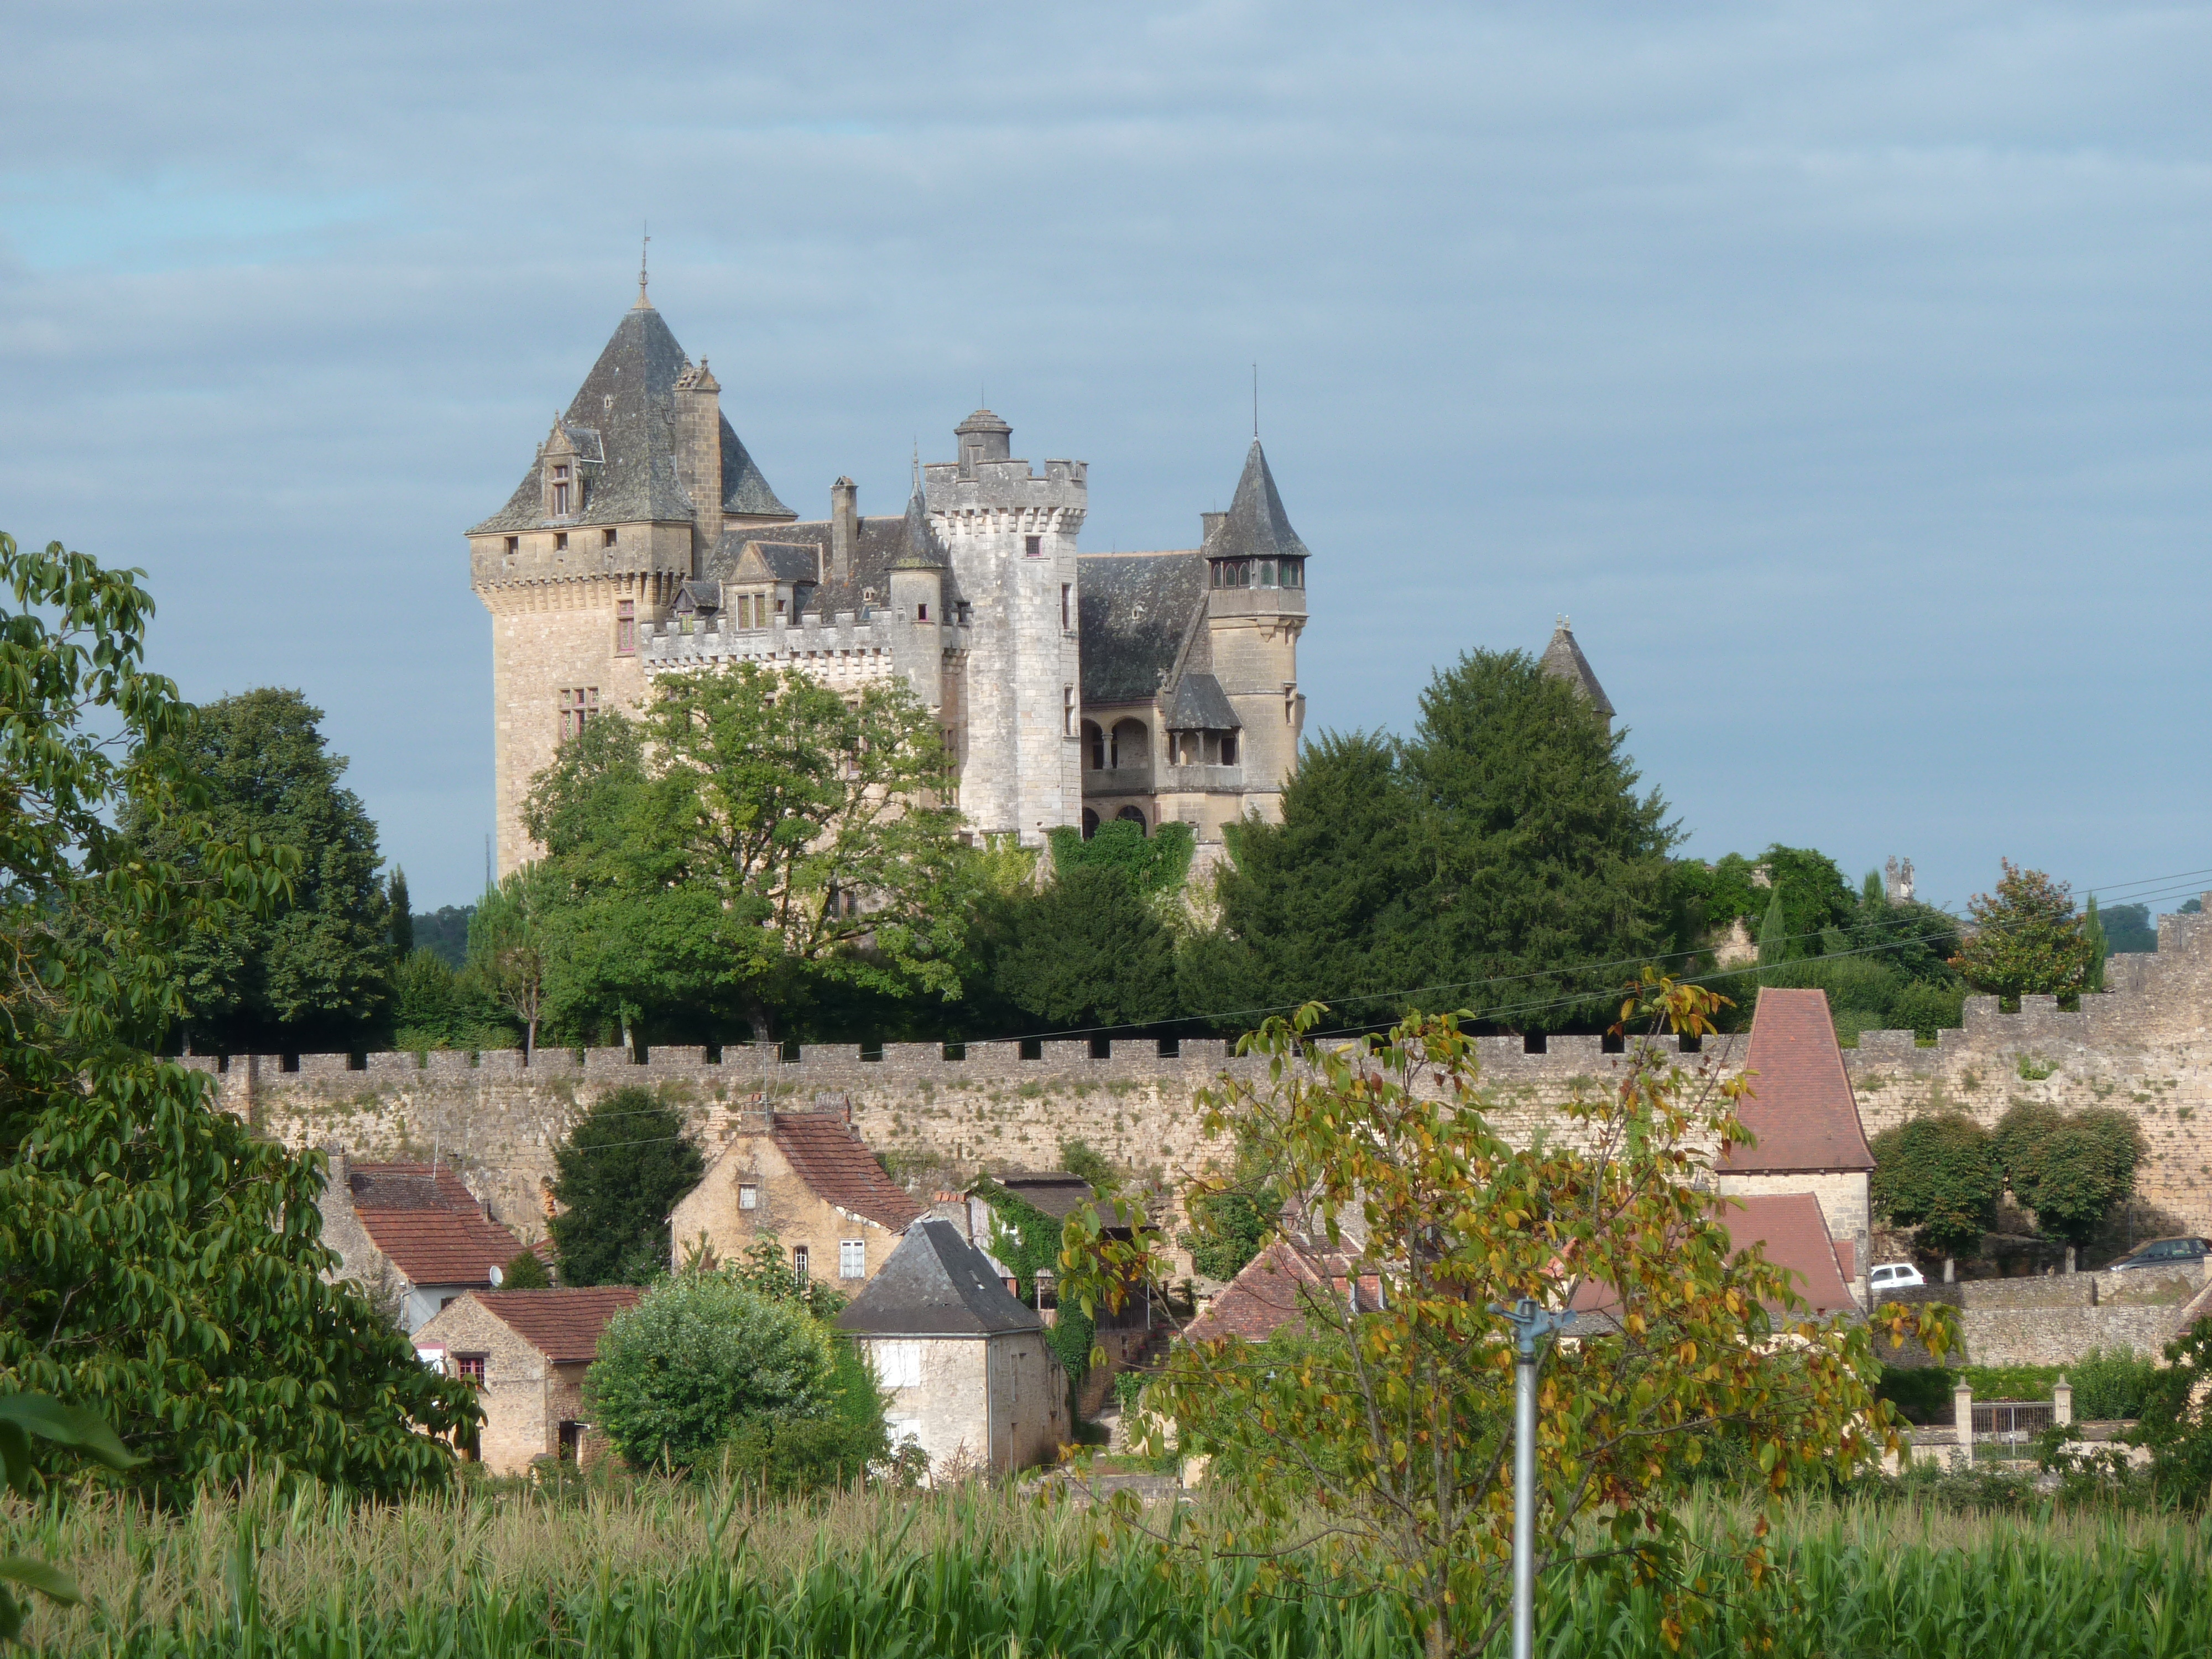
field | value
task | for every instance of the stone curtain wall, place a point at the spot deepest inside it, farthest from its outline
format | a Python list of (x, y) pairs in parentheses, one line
[(2143, 1046), (2055, 1321)]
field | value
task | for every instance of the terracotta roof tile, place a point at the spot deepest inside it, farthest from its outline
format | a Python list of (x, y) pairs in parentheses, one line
[(1797, 1237), (1801, 1107), (1275, 1289), (831, 1159), (429, 1224), (563, 1324)]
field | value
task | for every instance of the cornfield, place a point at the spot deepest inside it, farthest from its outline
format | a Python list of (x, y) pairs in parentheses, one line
[(674, 1572)]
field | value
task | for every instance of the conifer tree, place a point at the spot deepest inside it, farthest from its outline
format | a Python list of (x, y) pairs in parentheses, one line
[(2093, 940), (403, 917), (1774, 934)]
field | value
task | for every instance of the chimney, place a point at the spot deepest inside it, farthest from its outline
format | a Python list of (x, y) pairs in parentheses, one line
[(699, 454), (341, 1167), (844, 530), (1208, 523)]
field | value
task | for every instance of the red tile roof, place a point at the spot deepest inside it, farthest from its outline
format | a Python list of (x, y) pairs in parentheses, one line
[(429, 1224), (1795, 1235), (829, 1155), (563, 1324), (1801, 1106), (1275, 1289)]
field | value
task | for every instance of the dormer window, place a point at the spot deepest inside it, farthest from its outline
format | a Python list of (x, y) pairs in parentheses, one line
[(562, 488)]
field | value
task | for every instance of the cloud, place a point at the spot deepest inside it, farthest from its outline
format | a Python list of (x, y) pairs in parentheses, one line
[(1837, 367)]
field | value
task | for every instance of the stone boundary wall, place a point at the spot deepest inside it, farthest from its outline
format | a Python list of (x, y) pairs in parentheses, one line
[(2054, 1321), (2144, 1046)]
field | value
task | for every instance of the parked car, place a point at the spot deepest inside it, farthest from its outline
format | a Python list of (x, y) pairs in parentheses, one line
[(1895, 1276), (2165, 1253)]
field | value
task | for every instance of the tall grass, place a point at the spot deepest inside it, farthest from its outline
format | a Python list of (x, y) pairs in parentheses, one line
[(674, 1572)]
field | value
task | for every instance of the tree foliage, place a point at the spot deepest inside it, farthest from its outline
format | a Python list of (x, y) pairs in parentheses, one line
[(1155, 864), (752, 835), (526, 1272), (511, 948), (315, 971), (2176, 1424), (625, 1162), (702, 1358), (1491, 860), (1087, 951), (2072, 1168), (1940, 1174), (2027, 939), (1392, 1420), (160, 1265), (24, 1417)]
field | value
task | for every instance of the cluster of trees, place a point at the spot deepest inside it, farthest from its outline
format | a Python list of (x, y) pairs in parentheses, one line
[(1945, 1174)]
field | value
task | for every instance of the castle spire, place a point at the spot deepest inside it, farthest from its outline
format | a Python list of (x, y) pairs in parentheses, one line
[(1563, 659), (644, 247)]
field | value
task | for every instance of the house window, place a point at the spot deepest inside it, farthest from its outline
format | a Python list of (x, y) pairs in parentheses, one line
[(626, 627), (578, 705), (1033, 547), (1067, 711), (606, 538), (851, 1258), (1066, 606), (799, 1263), (748, 1195), (898, 1364), (571, 1443), (470, 1368), (561, 488), (559, 541)]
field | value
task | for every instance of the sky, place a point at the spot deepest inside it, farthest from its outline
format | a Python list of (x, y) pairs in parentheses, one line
[(1840, 369)]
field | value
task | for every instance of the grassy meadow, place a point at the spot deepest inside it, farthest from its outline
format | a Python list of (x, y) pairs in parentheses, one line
[(649, 1570)]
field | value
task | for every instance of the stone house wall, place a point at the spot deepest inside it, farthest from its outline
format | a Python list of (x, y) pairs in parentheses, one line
[(523, 1406), (999, 1401), (789, 1213)]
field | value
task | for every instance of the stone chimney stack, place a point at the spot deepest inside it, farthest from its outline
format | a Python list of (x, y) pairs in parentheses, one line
[(341, 1167), (844, 530), (699, 454), (1207, 524)]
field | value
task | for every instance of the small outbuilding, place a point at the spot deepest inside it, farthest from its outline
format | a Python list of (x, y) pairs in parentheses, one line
[(411, 1235), (971, 1377), (527, 1352)]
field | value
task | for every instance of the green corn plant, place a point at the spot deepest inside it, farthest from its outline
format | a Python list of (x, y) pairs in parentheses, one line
[(24, 1417)]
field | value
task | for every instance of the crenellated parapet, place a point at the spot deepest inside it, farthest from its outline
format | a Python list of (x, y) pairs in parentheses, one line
[(841, 644)]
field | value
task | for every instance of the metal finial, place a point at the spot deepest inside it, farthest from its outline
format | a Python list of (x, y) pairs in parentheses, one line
[(644, 247), (1564, 629), (917, 465)]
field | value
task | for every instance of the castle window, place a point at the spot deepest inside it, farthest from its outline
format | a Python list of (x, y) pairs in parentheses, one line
[(1130, 746), (1033, 547), (1267, 573), (1294, 573), (1095, 740), (921, 613), (799, 1263), (1229, 749), (578, 705), (561, 486), (748, 1195), (1132, 815), (626, 627), (513, 546), (1066, 606), (1067, 711), (1090, 823), (559, 541), (606, 538)]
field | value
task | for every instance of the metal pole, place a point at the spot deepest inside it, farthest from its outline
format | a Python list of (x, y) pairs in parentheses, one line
[(1531, 1324)]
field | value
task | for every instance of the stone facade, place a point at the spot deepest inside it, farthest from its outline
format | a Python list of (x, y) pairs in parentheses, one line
[(974, 1403), (751, 1195), (526, 1397)]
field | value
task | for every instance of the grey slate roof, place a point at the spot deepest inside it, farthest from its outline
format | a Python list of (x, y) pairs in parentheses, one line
[(1563, 658), (919, 547), (787, 560), (1256, 527), (622, 423), (694, 597), (880, 541), (936, 1283), (1136, 608), (1200, 705)]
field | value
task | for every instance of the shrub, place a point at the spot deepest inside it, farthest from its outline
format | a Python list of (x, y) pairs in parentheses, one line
[(526, 1273), (699, 1358), (2108, 1386), (790, 1456), (1922, 1393)]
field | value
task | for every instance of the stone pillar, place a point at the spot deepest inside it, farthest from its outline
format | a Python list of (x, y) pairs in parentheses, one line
[(1962, 1407), (2062, 1401)]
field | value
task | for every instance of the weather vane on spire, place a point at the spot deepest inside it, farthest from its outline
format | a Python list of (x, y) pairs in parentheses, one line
[(644, 247)]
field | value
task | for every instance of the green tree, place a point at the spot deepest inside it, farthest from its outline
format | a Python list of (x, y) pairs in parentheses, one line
[(526, 1272), (434, 1007), (623, 1165), (161, 1265), (2176, 1427), (2072, 1168), (2093, 943), (2027, 939), (700, 1359), (1774, 942), (1156, 863), (397, 907), (761, 833), (24, 1417), (1391, 1419), (1940, 1174), (508, 946), (1088, 951), (316, 971)]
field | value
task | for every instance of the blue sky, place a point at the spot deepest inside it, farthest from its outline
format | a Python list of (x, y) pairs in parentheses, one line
[(1840, 369)]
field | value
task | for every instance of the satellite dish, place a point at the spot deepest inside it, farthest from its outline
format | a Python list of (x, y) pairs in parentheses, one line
[(498, 1276)]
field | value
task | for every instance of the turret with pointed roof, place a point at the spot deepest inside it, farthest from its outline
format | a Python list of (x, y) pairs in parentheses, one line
[(1563, 659)]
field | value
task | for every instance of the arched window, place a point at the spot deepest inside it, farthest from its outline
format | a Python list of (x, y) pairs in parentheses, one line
[(1090, 823), (1131, 746), (1094, 746), (1130, 815)]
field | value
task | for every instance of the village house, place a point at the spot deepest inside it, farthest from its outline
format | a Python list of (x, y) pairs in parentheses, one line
[(527, 1352), (806, 1182), (411, 1235), (1806, 1120), (971, 1375)]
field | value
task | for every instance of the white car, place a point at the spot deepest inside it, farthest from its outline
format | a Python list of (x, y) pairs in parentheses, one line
[(1895, 1276)]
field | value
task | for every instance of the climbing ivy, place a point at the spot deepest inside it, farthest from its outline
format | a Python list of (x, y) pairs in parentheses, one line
[(1157, 863), (1028, 1240)]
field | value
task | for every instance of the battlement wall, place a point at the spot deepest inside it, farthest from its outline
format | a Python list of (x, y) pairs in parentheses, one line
[(862, 649)]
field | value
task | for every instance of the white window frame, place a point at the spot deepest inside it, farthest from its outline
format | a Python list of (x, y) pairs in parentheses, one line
[(748, 1195), (851, 1258), (898, 1363)]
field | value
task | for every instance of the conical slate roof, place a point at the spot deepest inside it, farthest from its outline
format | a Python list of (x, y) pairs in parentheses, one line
[(1563, 658), (919, 547), (625, 412), (1255, 527), (936, 1283)]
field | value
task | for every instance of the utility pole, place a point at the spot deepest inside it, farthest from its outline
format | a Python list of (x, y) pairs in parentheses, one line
[(1531, 1325)]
